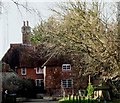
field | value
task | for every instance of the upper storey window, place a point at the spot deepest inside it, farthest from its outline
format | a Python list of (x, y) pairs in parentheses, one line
[(39, 70), (23, 71), (66, 67)]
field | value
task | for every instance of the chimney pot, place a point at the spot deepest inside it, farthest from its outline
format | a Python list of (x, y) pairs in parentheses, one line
[(23, 23), (27, 23)]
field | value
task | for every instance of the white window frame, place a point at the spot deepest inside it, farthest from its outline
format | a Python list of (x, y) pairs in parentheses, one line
[(67, 84), (39, 70), (23, 71), (39, 81), (65, 67)]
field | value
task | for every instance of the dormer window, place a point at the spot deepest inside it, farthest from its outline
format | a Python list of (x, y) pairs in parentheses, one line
[(39, 70), (23, 71), (66, 67)]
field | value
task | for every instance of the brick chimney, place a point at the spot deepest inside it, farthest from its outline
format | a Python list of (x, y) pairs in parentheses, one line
[(26, 33)]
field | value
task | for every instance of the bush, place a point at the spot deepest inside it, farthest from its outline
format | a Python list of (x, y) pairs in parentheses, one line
[(90, 90), (27, 89), (12, 84)]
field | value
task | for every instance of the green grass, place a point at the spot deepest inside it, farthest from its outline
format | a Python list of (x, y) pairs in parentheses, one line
[(66, 100)]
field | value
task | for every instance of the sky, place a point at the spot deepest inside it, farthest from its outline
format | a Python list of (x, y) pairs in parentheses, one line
[(11, 19)]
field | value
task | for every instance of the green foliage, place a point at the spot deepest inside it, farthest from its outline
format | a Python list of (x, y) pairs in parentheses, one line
[(28, 87), (90, 90), (12, 83)]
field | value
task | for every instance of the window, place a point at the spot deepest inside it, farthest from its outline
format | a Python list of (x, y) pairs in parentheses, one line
[(66, 83), (39, 82), (66, 67), (39, 70), (23, 71)]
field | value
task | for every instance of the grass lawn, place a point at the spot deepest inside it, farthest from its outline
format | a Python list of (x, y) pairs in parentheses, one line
[(66, 100)]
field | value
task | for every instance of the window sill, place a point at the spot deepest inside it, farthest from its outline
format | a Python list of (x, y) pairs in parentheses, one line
[(66, 70), (39, 73), (23, 74)]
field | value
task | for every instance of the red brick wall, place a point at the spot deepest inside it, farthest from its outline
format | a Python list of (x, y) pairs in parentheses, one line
[(31, 73), (53, 78)]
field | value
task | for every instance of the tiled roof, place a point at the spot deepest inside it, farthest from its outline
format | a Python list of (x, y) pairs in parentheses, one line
[(29, 56)]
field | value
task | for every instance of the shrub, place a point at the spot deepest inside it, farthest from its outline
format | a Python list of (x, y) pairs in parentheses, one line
[(27, 89), (90, 90)]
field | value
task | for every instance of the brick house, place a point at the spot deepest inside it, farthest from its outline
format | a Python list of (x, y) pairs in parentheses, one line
[(56, 74), (19, 57), (26, 60)]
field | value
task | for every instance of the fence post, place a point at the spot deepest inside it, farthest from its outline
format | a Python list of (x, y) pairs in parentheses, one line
[(84, 99), (64, 94), (69, 96), (88, 100), (73, 98), (92, 100), (98, 100), (79, 99), (104, 101)]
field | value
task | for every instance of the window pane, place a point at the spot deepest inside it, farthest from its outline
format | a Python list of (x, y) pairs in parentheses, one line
[(39, 82), (69, 83), (39, 70), (23, 71), (66, 67), (64, 83)]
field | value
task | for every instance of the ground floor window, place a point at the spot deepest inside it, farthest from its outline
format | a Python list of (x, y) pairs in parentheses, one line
[(67, 83), (39, 82)]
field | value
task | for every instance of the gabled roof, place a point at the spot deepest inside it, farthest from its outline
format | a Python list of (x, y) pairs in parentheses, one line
[(20, 55)]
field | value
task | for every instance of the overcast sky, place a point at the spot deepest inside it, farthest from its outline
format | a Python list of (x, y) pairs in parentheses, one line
[(11, 19)]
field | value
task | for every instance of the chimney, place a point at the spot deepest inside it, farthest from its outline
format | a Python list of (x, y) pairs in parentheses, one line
[(26, 32)]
